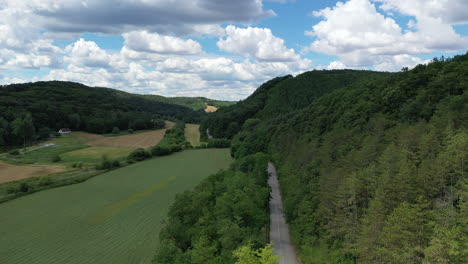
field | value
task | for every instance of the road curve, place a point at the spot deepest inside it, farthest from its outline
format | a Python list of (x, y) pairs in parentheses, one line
[(279, 233)]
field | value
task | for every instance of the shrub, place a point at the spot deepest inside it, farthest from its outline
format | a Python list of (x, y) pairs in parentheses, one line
[(23, 187), (219, 143), (56, 158), (160, 151), (175, 148), (115, 130), (43, 181), (139, 155), (115, 164), (130, 131), (14, 152), (12, 189)]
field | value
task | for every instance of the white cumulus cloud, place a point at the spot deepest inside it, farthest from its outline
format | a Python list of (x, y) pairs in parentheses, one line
[(361, 36), (154, 42), (257, 43)]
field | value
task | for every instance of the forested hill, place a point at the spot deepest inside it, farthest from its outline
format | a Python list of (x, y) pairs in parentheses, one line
[(31, 110), (374, 171), (195, 103), (282, 95)]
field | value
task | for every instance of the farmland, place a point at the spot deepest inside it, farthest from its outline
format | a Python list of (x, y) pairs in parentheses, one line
[(192, 134), (112, 218), (138, 140), (58, 154), (9, 172), (211, 109), (95, 154)]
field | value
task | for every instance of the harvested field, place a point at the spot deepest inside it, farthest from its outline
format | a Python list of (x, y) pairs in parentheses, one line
[(10, 172), (211, 109), (138, 140), (112, 218), (192, 134)]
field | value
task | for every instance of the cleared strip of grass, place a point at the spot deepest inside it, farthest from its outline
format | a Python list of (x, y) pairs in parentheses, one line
[(95, 154), (46, 155), (192, 134), (112, 218)]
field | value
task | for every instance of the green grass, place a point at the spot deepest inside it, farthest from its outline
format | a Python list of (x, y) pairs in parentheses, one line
[(192, 134), (112, 218), (67, 139), (63, 144), (95, 154), (45, 155)]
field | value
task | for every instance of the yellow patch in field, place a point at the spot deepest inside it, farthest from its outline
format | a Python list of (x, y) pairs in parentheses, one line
[(211, 109), (115, 208)]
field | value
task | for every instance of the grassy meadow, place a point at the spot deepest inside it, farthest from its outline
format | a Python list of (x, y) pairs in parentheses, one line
[(95, 154), (192, 134), (112, 218)]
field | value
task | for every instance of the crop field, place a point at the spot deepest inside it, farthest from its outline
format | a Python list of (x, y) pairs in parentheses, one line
[(9, 172), (112, 218), (137, 140), (95, 154), (192, 134)]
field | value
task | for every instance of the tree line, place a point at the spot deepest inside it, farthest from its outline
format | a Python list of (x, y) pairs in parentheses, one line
[(223, 220)]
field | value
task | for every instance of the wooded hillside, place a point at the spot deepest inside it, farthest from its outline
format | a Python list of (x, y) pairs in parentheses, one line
[(31, 111), (374, 171), (279, 96)]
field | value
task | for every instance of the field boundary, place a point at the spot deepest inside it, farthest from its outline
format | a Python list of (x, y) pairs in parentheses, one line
[(61, 179)]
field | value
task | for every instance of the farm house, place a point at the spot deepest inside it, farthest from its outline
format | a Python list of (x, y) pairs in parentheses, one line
[(64, 131)]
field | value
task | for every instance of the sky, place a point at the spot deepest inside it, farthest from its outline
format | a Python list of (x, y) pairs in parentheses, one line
[(222, 49)]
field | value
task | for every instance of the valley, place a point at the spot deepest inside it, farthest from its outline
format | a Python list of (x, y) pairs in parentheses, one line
[(371, 168)]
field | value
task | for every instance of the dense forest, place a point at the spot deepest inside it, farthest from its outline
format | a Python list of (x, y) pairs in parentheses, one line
[(372, 169), (279, 96), (225, 212), (32, 111)]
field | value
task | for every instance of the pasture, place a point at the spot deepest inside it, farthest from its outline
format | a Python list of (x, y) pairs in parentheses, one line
[(112, 218), (192, 134)]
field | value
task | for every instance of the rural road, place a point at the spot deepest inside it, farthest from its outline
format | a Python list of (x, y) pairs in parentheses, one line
[(279, 233)]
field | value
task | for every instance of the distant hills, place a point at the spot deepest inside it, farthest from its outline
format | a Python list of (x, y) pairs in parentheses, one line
[(32, 111), (195, 103)]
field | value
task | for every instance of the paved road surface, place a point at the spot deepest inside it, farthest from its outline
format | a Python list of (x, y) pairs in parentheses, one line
[(279, 233)]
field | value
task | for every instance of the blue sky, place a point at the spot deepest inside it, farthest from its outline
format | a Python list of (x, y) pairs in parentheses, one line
[(219, 48)]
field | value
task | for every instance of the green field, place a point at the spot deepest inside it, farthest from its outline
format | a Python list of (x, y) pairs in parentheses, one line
[(192, 134), (111, 218), (95, 154)]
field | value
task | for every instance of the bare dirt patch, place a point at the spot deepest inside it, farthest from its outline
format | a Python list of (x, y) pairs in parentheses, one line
[(138, 140), (211, 109), (10, 172)]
